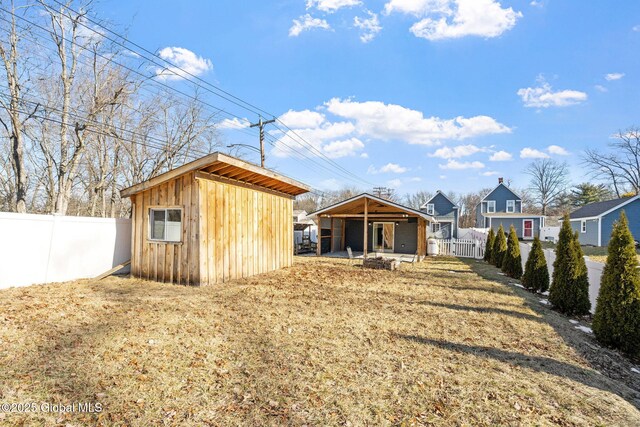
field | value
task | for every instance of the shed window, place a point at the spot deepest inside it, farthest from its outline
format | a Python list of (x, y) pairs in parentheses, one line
[(583, 226), (430, 209), (511, 206), (165, 225), (491, 206)]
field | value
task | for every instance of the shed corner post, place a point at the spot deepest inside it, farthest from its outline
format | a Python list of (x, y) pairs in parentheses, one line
[(319, 236), (366, 227)]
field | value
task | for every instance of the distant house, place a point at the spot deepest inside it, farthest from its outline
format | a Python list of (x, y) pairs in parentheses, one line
[(446, 214), (594, 221), (503, 206), (367, 223)]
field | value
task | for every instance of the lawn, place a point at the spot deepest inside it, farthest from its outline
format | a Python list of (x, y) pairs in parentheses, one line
[(443, 342)]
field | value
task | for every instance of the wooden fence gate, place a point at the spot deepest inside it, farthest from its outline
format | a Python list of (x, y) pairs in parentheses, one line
[(463, 248)]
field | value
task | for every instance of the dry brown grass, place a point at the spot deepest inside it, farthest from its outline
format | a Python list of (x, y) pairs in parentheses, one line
[(322, 343)]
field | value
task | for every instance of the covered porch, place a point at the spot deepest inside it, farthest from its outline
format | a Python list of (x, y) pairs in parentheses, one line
[(370, 225)]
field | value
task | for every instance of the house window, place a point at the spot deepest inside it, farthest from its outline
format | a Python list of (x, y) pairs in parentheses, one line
[(511, 206), (435, 227), (583, 226), (165, 225), (430, 209), (491, 206)]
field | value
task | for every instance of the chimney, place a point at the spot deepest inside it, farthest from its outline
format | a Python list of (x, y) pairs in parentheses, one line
[(500, 180)]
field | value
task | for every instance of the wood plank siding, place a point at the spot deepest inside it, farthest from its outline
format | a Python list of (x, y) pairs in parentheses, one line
[(228, 231)]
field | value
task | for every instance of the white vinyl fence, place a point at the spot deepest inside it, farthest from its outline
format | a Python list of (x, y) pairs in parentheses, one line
[(463, 248), (594, 270), (52, 248), (473, 233)]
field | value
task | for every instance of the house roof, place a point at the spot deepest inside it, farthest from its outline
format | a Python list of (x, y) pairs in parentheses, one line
[(599, 209), (354, 207), (424, 206), (230, 168), (496, 187)]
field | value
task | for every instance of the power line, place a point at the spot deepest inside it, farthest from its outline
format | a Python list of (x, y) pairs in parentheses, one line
[(171, 64)]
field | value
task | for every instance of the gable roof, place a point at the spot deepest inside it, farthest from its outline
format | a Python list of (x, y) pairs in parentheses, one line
[(497, 186), (598, 209), (225, 166), (424, 206), (345, 204)]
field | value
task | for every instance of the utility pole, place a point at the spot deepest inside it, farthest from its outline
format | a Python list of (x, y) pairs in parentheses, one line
[(261, 125)]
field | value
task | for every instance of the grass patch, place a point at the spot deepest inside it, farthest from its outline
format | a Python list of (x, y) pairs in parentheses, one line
[(321, 343)]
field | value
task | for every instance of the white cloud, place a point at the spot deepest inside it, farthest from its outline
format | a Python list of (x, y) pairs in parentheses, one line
[(342, 148), (331, 6), (601, 88), (456, 165), (369, 27), (443, 176), (535, 3), (543, 96), (364, 155), (394, 183), (456, 152), (558, 150), (234, 123), (613, 76), (490, 173), (186, 63), (446, 19), (393, 122), (302, 119), (414, 179), (388, 168), (305, 23), (501, 156), (636, 28), (532, 153)]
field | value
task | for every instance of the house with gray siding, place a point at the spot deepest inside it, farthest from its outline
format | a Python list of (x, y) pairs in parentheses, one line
[(445, 212), (594, 222), (503, 206)]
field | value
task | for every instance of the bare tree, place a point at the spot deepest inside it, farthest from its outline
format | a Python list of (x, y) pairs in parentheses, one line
[(417, 199), (17, 75), (468, 203), (621, 166), (549, 180)]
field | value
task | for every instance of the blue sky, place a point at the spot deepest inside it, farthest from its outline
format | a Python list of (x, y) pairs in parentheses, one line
[(422, 94)]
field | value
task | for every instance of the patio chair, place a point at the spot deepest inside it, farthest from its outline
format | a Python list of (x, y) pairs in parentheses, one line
[(350, 253)]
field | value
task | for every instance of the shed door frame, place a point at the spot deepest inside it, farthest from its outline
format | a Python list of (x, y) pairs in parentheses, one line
[(387, 241), (527, 232)]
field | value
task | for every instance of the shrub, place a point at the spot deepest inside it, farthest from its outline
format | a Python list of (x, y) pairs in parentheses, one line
[(536, 274), (499, 248), (616, 322), (489, 245), (569, 291), (512, 262)]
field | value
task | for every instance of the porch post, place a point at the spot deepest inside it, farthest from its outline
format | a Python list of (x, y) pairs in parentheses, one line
[(332, 248), (366, 227), (318, 237)]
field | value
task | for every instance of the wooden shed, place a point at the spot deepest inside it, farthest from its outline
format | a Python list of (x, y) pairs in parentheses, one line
[(215, 219)]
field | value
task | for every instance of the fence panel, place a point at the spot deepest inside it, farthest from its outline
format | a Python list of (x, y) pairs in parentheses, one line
[(463, 248), (53, 248)]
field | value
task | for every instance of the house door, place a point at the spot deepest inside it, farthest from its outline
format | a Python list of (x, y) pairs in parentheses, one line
[(383, 234), (527, 226)]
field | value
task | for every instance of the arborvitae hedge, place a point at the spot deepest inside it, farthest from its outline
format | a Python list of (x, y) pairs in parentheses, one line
[(499, 248), (488, 248), (616, 322), (512, 262), (569, 291), (536, 274)]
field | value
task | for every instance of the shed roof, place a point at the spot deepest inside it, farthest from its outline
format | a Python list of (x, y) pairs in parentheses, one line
[(354, 206), (230, 168), (598, 209)]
